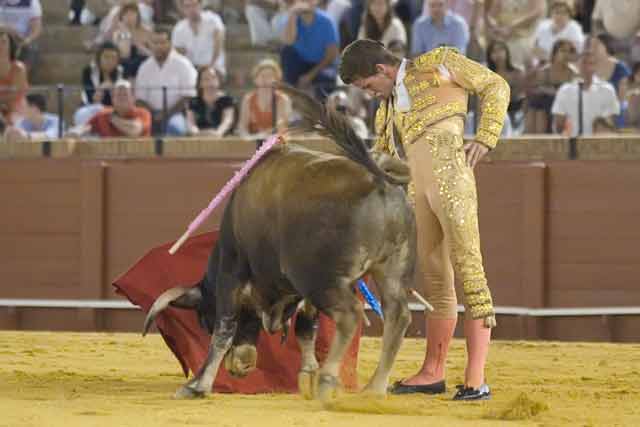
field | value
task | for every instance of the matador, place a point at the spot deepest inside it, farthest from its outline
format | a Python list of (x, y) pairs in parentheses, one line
[(423, 106)]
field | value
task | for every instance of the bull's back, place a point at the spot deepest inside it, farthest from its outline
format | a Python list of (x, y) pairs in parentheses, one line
[(295, 175)]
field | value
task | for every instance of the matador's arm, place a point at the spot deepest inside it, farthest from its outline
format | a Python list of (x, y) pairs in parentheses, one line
[(491, 88)]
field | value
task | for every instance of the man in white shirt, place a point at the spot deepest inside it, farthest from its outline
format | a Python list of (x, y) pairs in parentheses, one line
[(23, 18), (267, 20), (559, 26), (200, 36), (598, 99), (166, 68)]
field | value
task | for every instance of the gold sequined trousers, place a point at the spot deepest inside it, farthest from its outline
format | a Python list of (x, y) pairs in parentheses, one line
[(446, 208)]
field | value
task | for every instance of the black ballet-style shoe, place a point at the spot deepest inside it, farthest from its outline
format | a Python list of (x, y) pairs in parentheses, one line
[(469, 393), (435, 388)]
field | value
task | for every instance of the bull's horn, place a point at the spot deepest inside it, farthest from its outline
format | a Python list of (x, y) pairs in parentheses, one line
[(161, 303)]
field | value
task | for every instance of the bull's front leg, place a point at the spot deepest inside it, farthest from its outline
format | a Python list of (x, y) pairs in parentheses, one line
[(221, 341), (305, 329)]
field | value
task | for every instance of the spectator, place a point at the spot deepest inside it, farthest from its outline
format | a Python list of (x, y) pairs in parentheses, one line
[(132, 39), (97, 80), (632, 113), (23, 19), (514, 22), (619, 18), (13, 79), (598, 99), (499, 60), (339, 101), (544, 83), (559, 26), (257, 110), (37, 124), (335, 9), (267, 20), (608, 67), (584, 11), (200, 36), (212, 112), (123, 120), (171, 70), (309, 59), (438, 27), (381, 24), (349, 25), (111, 20), (472, 11)]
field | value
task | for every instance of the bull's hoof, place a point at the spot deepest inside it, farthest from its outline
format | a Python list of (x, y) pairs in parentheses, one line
[(308, 384), (375, 390), (186, 392), (327, 387)]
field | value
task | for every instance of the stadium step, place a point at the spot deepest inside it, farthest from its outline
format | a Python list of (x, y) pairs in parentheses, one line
[(55, 11), (57, 38), (55, 68)]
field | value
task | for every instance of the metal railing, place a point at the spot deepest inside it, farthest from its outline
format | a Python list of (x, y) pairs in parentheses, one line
[(416, 307)]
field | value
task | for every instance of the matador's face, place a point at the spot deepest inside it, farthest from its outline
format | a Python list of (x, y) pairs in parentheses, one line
[(379, 85)]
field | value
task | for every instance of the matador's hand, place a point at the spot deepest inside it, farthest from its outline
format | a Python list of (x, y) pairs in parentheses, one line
[(474, 151)]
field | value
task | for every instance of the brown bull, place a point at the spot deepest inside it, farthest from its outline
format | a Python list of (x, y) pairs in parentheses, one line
[(305, 225)]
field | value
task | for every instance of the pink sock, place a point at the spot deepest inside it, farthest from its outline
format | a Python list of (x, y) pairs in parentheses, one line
[(478, 338)]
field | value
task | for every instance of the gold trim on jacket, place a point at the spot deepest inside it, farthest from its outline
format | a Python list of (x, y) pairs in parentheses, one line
[(435, 98)]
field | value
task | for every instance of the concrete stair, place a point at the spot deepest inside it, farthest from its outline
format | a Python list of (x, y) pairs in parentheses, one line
[(60, 68), (55, 11), (58, 38)]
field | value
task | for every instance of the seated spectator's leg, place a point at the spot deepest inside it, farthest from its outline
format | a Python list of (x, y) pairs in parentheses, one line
[(259, 26), (85, 113), (14, 134), (75, 11), (293, 66), (177, 125), (30, 55)]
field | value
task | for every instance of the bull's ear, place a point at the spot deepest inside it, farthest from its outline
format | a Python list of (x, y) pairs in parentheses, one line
[(396, 168)]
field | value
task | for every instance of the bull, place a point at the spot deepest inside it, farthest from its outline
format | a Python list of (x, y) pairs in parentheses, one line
[(296, 235)]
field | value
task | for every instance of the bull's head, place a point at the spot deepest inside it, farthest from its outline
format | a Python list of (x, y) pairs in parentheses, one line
[(241, 359)]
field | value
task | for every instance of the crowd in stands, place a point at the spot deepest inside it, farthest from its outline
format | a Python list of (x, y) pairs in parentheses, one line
[(160, 66)]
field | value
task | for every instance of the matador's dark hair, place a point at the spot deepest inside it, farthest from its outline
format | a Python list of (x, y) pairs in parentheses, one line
[(359, 59)]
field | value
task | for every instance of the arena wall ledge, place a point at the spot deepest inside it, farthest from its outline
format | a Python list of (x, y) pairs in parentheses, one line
[(556, 232)]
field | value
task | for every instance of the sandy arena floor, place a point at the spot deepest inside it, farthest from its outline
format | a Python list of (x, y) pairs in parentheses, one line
[(65, 379)]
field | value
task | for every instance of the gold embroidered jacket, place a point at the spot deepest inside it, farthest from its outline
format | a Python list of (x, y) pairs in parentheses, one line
[(434, 99)]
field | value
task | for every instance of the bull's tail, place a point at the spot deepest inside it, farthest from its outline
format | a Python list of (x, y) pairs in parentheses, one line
[(316, 117)]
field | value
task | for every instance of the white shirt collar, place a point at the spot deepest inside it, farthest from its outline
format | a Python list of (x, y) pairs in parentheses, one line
[(402, 100)]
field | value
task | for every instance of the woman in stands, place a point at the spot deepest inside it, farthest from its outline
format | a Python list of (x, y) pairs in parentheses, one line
[(544, 82), (257, 119), (212, 112), (132, 38), (380, 23), (97, 80), (608, 67), (13, 80), (499, 61)]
